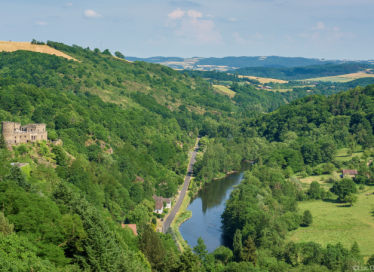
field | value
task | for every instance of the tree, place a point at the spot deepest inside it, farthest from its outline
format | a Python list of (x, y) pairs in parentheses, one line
[(249, 251), (237, 245), (5, 227), (355, 250), (314, 190), (200, 249), (119, 55), (106, 52), (18, 176), (151, 245), (288, 172), (307, 218), (370, 261), (60, 153), (2, 141), (351, 199), (343, 188)]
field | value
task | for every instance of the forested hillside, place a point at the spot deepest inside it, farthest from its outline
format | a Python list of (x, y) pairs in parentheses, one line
[(126, 130), (304, 72)]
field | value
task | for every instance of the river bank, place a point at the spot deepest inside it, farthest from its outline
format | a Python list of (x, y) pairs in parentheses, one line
[(203, 214)]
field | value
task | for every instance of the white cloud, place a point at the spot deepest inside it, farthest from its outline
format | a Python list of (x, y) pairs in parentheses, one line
[(91, 14), (320, 25), (210, 16), (68, 5), (232, 20), (193, 29), (176, 14), (194, 14), (40, 23)]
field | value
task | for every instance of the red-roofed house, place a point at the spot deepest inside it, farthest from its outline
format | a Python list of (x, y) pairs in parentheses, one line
[(351, 172), (159, 207), (132, 227)]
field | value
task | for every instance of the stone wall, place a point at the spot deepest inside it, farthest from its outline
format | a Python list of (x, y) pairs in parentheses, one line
[(15, 134)]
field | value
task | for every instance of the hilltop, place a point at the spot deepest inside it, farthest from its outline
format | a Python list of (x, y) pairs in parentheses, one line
[(15, 46)]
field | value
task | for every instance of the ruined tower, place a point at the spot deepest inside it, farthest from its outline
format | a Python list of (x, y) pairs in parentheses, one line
[(15, 134)]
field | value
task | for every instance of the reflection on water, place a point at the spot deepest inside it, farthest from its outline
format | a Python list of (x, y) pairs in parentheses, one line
[(207, 208)]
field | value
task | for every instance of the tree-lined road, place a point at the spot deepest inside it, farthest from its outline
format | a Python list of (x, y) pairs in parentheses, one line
[(187, 179)]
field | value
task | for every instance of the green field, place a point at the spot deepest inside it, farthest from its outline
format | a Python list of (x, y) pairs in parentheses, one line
[(337, 222)]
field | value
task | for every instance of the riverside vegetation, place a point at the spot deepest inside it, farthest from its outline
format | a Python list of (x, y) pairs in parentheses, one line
[(120, 121)]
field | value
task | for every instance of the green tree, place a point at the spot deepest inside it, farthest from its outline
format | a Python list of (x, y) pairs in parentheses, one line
[(355, 250), (237, 245), (150, 244), (18, 177), (106, 52), (249, 251), (119, 55), (351, 199), (343, 188), (5, 227), (307, 218), (60, 153), (370, 261), (200, 249), (2, 142), (314, 190)]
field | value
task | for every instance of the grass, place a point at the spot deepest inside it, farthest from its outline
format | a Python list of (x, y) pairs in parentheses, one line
[(224, 90), (14, 46), (341, 78), (263, 80), (182, 215), (337, 222), (341, 155)]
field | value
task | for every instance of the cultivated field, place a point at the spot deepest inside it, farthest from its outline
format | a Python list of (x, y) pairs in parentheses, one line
[(341, 78), (337, 222), (224, 90), (14, 46), (264, 80)]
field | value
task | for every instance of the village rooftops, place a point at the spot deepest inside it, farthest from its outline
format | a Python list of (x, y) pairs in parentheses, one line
[(161, 199), (351, 172), (159, 205)]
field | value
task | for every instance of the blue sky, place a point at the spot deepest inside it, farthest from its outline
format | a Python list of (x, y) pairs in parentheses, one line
[(331, 29)]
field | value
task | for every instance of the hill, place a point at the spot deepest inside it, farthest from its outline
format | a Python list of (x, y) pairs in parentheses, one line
[(232, 63), (15, 46), (307, 72)]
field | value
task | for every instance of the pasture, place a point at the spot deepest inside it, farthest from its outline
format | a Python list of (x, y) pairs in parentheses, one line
[(224, 90), (341, 78), (335, 222)]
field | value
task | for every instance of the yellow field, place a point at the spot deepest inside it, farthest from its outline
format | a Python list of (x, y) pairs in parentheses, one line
[(341, 78), (264, 80), (224, 90), (14, 46)]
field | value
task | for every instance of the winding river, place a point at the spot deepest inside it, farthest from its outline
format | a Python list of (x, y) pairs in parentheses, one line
[(207, 208)]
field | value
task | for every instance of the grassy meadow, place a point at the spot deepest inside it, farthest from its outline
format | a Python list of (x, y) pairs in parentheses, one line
[(264, 80), (338, 222), (224, 90), (341, 78)]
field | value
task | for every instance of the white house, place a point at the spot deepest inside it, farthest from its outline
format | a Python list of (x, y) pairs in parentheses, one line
[(159, 207)]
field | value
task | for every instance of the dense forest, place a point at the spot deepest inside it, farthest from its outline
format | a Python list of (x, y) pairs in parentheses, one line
[(126, 130), (305, 72)]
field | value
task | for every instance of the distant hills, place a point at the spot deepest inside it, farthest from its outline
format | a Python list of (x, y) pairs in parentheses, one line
[(232, 63)]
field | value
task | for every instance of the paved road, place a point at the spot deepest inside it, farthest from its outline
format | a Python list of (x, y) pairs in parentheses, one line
[(187, 179)]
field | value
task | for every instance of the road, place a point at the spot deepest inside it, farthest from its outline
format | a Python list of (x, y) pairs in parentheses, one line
[(187, 179)]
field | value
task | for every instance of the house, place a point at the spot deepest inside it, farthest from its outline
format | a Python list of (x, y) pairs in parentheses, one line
[(161, 199), (132, 227), (159, 207), (351, 172)]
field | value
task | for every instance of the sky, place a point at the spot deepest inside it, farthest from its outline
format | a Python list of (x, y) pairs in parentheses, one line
[(330, 29)]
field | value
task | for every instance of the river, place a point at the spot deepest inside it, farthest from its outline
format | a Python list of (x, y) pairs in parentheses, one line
[(207, 208)]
